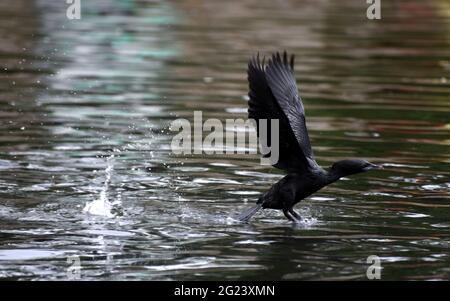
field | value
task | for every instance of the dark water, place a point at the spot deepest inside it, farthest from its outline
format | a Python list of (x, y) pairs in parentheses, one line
[(85, 108)]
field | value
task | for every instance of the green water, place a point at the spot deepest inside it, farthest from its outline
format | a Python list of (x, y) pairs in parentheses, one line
[(72, 93)]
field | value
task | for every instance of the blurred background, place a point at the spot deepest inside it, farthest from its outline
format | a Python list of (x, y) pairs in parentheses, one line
[(86, 168)]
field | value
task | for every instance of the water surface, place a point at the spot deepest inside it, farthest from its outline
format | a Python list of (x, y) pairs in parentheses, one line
[(85, 108)]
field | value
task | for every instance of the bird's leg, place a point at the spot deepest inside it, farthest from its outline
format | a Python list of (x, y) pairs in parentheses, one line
[(295, 214), (288, 215)]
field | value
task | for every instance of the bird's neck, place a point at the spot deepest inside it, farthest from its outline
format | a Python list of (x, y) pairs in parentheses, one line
[(333, 176)]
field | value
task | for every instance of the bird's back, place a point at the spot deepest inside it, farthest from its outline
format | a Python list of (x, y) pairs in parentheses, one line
[(291, 189)]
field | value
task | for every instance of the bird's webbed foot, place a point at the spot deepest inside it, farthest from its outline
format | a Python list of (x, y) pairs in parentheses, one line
[(292, 215), (295, 214)]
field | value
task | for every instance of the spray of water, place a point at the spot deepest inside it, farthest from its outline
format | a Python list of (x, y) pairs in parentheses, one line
[(102, 206)]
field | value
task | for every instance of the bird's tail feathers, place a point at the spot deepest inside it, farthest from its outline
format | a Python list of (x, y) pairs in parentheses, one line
[(247, 214)]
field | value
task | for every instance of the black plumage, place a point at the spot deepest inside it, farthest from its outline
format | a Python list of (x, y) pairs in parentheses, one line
[(274, 95)]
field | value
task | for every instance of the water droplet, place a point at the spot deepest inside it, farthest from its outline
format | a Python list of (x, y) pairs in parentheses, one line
[(208, 79)]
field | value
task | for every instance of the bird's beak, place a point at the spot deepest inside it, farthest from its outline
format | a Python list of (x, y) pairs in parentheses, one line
[(372, 166)]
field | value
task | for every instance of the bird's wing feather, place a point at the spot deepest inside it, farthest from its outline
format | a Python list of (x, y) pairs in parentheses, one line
[(264, 105), (281, 80)]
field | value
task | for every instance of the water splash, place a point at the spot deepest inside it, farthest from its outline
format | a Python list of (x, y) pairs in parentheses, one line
[(102, 206)]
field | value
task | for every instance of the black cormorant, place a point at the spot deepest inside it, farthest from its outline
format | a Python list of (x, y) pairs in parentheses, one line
[(274, 95)]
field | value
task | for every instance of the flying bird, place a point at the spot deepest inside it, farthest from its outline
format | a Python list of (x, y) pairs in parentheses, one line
[(274, 95)]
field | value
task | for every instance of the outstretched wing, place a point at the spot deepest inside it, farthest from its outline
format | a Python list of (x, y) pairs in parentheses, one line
[(281, 80), (275, 96)]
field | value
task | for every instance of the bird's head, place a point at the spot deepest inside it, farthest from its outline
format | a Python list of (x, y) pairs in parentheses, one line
[(350, 167)]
